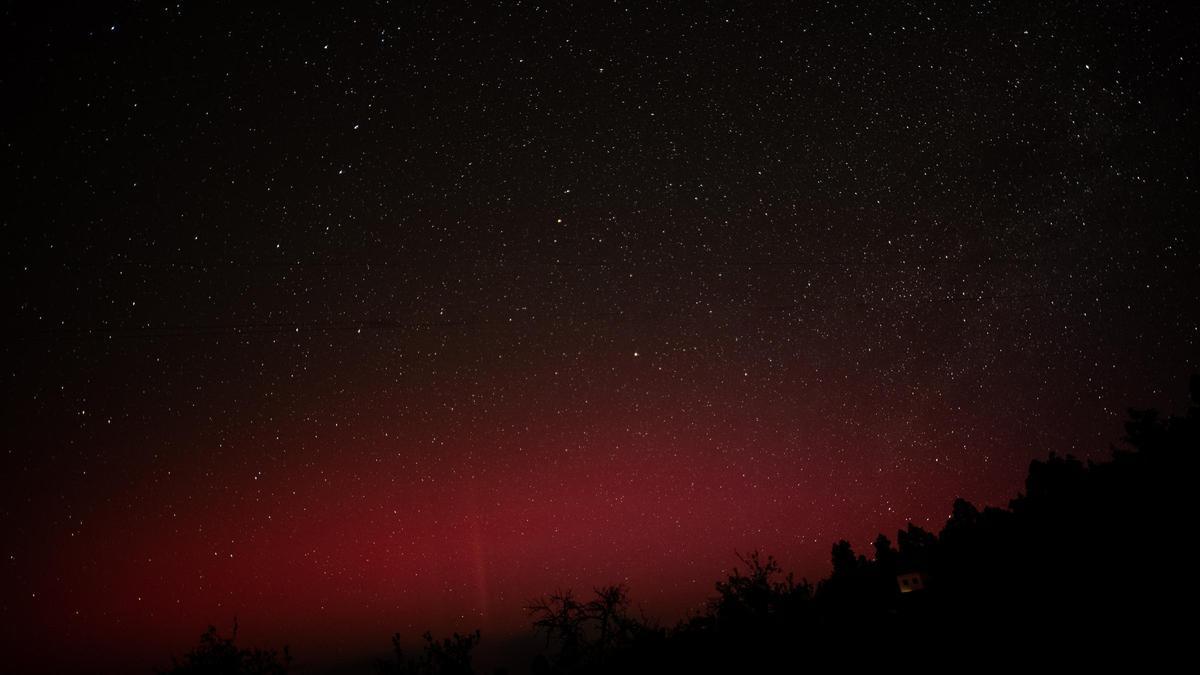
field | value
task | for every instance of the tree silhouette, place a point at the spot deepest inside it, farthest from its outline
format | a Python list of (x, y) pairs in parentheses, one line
[(586, 634), (217, 655), (609, 611), (757, 596), (448, 656), (562, 618), (844, 561)]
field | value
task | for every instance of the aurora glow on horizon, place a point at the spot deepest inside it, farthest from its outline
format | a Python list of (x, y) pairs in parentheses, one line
[(389, 318)]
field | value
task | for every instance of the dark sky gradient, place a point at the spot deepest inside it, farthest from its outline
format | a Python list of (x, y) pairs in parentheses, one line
[(353, 320)]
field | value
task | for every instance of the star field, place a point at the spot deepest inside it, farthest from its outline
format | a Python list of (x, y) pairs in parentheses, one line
[(389, 317)]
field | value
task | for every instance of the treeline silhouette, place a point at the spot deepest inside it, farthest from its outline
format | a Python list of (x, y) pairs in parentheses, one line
[(1089, 565)]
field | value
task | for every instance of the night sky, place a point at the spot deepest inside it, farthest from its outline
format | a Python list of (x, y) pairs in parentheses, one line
[(348, 320)]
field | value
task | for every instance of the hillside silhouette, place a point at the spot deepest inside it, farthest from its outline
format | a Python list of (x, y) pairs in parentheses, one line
[(1084, 567)]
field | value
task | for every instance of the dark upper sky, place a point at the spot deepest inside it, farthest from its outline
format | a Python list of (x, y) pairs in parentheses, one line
[(356, 319)]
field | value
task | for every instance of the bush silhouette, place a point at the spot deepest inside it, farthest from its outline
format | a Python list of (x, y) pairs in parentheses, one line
[(217, 655), (448, 656)]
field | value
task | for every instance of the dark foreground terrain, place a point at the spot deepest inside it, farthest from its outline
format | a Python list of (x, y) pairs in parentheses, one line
[(1087, 566)]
